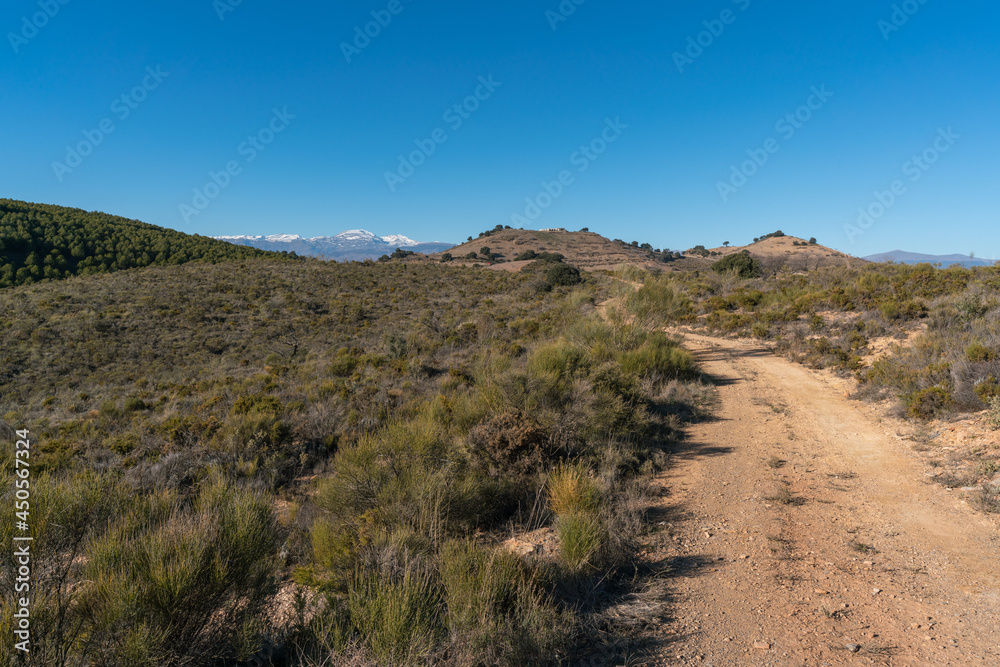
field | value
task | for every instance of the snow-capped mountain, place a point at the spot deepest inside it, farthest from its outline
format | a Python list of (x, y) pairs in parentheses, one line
[(354, 244), (399, 240), (903, 257)]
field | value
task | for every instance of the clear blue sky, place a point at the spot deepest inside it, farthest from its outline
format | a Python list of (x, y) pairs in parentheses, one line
[(220, 80)]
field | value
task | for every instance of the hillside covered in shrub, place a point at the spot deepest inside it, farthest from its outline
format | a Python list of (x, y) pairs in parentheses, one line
[(42, 242), (310, 463)]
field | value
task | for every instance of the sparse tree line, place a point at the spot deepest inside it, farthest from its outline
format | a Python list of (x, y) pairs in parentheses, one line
[(664, 256)]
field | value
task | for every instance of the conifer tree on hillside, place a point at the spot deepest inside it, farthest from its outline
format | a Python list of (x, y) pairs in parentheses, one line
[(40, 242)]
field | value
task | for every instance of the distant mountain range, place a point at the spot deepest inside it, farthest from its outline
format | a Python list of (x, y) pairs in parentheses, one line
[(903, 257), (354, 244)]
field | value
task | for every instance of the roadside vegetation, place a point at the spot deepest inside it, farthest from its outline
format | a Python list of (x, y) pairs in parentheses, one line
[(314, 464), (926, 339)]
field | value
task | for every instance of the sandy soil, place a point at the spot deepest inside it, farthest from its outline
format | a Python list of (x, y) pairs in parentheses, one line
[(861, 561)]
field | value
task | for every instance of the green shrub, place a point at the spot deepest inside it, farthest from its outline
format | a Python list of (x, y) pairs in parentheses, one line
[(156, 585), (65, 514), (987, 390), (747, 299), (993, 416), (902, 310), (259, 404), (480, 586), (334, 546), (659, 357), (572, 490), (977, 353), (460, 411), (559, 359), (619, 406), (406, 474), (971, 307), (581, 538), (124, 444), (562, 275), (495, 616), (656, 304), (907, 372), (929, 403), (109, 410), (135, 404), (697, 250), (396, 347), (399, 620), (742, 264), (343, 365), (594, 335)]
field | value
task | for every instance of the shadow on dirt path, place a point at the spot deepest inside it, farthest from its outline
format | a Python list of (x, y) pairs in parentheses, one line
[(800, 532)]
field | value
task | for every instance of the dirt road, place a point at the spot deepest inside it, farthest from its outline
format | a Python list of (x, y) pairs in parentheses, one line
[(803, 532)]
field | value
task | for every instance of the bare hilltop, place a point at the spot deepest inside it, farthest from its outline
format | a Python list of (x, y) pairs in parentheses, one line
[(512, 249)]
